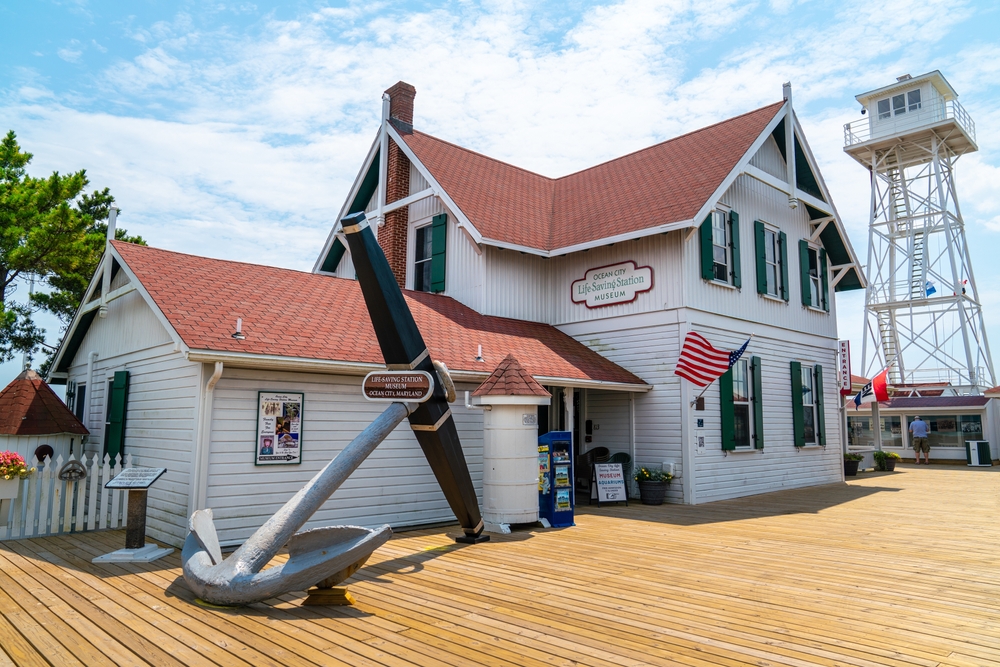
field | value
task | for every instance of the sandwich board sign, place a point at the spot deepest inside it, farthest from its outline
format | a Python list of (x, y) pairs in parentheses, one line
[(609, 479)]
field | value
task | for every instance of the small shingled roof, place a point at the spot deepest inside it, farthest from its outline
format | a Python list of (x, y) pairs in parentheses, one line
[(510, 379), (28, 406)]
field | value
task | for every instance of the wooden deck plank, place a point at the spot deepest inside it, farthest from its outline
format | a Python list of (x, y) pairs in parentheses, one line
[(886, 571)]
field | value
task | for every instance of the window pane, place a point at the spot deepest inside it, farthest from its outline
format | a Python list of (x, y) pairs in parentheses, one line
[(768, 245), (809, 422), (892, 431), (422, 276), (424, 243), (772, 280), (913, 97), (859, 431), (742, 425), (807, 386), (883, 110), (721, 273), (741, 382), (898, 104)]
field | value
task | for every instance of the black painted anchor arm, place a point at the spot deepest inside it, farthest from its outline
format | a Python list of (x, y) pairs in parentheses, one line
[(403, 348)]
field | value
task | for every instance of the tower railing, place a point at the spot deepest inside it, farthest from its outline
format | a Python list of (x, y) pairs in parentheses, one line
[(866, 129)]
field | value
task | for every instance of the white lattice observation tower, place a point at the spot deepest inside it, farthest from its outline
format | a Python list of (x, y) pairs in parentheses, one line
[(923, 317)]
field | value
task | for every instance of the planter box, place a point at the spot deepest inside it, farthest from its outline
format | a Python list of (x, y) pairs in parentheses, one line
[(9, 488), (851, 468)]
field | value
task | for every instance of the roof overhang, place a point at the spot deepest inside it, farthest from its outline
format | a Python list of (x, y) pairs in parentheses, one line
[(358, 368), (935, 77)]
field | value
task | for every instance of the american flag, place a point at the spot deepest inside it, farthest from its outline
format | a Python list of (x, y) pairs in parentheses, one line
[(701, 363)]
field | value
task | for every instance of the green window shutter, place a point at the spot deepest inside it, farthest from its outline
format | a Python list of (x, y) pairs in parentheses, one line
[(728, 411), (798, 424), (114, 439), (705, 237), (439, 238), (820, 417), (804, 273), (333, 258), (783, 243), (824, 281), (758, 403), (758, 237), (734, 233)]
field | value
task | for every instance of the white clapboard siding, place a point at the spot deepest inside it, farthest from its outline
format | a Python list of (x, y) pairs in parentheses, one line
[(395, 485), (46, 505), (25, 445), (754, 200), (162, 404), (780, 465), (648, 349)]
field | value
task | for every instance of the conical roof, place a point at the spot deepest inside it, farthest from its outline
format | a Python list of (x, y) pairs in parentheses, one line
[(510, 379), (28, 406)]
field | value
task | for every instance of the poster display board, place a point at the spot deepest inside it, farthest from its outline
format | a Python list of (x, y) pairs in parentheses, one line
[(609, 479), (279, 428)]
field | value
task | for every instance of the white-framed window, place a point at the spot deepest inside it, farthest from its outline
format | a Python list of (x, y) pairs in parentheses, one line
[(897, 105), (422, 255), (742, 405), (721, 246), (772, 262), (809, 417)]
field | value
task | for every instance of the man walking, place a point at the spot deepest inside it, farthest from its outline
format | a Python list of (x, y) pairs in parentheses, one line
[(918, 430)]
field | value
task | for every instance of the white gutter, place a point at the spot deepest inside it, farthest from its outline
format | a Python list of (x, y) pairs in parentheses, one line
[(198, 495), (360, 368)]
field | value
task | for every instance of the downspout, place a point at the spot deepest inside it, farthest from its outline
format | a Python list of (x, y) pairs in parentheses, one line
[(89, 400), (198, 497), (631, 434)]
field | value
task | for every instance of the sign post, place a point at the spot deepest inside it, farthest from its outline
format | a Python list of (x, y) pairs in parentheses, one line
[(137, 482)]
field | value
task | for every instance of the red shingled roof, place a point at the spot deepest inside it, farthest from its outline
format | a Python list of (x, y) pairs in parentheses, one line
[(510, 379), (295, 314), (664, 183), (28, 406)]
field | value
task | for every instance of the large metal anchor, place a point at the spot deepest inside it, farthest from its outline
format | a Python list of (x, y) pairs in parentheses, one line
[(327, 556), (321, 556)]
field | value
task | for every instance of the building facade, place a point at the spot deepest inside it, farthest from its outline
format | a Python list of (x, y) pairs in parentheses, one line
[(591, 280)]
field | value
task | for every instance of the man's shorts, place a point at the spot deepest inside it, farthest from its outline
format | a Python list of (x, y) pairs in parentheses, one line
[(920, 445)]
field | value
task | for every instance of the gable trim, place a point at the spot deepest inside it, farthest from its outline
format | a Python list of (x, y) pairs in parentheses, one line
[(87, 310), (355, 188)]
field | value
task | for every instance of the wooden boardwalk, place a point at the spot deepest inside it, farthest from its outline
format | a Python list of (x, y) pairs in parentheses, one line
[(890, 569)]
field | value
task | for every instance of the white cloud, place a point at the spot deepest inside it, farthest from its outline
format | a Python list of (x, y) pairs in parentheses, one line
[(243, 144)]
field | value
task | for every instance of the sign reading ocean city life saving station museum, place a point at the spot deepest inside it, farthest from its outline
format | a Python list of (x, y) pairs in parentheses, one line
[(609, 285)]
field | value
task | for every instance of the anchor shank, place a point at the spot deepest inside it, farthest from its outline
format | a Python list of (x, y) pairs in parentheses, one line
[(261, 547)]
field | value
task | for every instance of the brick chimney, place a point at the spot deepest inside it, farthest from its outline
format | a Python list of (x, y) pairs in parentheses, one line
[(392, 237)]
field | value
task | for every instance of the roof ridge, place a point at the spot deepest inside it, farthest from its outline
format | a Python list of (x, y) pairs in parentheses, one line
[(614, 159), (671, 140)]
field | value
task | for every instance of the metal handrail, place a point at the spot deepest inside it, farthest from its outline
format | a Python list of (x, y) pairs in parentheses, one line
[(860, 131)]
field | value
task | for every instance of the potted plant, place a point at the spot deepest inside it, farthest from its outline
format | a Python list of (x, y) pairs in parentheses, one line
[(851, 463), (653, 484), (886, 461), (12, 470)]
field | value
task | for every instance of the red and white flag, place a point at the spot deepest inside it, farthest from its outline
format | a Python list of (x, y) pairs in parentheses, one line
[(701, 363), (876, 390)]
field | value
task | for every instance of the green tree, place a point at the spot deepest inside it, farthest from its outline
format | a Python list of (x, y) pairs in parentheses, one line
[(52, 231)]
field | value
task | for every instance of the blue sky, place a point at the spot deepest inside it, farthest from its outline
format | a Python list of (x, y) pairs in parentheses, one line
[(234, 129)]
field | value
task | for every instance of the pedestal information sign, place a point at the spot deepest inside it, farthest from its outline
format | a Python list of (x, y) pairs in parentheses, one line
[(136, 481)]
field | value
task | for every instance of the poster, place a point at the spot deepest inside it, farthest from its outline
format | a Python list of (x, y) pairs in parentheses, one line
[(279, 428), (563, 500)]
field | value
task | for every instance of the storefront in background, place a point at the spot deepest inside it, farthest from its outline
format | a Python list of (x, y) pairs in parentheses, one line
[(951, 421)]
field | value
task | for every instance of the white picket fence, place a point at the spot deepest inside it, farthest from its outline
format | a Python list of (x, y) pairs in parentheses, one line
[(47, 505)]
